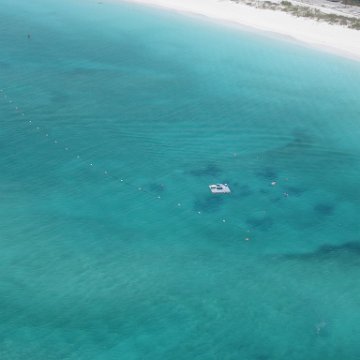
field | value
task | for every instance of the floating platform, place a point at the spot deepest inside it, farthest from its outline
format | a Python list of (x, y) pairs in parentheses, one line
[(220, 189)]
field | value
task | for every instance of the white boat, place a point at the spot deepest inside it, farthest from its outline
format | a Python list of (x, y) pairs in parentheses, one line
[(220, 189)]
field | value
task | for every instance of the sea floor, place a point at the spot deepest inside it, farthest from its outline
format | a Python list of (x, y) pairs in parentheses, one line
[(115, 118)]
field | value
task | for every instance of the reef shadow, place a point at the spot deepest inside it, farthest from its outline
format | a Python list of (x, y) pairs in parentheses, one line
[(210, 204), (209, 170)]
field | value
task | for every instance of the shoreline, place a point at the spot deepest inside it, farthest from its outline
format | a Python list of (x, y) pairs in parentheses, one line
[(334, 39)]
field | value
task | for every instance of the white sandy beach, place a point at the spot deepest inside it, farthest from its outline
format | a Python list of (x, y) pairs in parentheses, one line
[(334, 38)]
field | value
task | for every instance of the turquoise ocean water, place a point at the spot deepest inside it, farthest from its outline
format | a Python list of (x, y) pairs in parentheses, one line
[(93, 267)]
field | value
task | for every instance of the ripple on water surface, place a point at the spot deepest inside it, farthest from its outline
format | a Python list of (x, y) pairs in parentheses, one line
[(115, 119)]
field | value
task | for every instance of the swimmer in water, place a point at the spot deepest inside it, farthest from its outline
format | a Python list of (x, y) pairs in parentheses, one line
[(28, 36)]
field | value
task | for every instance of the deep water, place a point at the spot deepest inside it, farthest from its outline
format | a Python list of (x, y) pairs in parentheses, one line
[(115, 118)]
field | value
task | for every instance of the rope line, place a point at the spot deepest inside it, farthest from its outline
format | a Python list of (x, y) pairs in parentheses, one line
[(104, 172)]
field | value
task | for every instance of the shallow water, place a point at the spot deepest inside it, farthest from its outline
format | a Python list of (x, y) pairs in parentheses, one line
[(93, 267)]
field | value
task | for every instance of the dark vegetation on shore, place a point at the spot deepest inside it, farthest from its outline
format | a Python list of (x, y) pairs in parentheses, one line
[(351, 2), (307, 12)]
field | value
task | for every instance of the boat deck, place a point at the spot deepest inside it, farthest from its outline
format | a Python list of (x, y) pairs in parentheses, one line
[(220, 189)]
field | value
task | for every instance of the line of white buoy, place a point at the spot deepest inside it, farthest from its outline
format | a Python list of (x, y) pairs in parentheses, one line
[(44, 132)]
